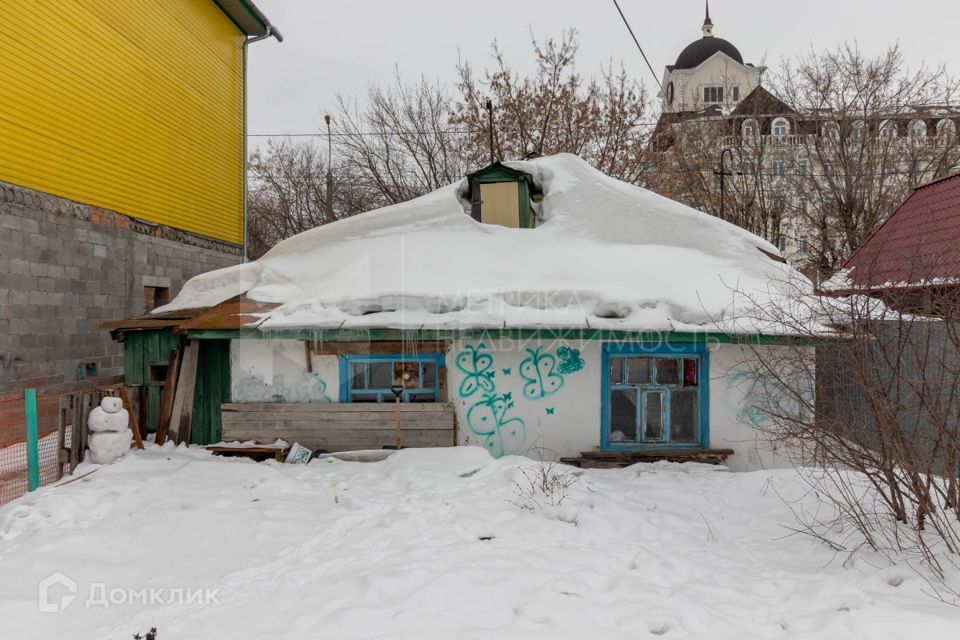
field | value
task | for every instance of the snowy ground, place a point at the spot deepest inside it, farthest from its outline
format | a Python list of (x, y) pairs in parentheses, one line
[(431, 544)]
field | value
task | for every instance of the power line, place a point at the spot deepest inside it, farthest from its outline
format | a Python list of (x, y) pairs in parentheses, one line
[(637, 42), (381, 134)]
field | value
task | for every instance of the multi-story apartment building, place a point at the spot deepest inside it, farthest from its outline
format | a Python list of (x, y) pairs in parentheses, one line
[(814, 180)]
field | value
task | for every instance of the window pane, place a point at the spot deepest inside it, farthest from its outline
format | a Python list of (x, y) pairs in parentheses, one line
[(618, 370), (364, 397), (638, 370), (653, 413), (690, 378), (407, 374), (357, 380), (684, 425), (381, 374), (623, 416), (429, 375), (668, 371)]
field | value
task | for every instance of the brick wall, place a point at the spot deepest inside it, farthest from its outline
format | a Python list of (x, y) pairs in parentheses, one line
[(66, 267)]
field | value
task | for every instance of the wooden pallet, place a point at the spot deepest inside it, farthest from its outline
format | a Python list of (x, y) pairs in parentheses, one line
[(619, 459)]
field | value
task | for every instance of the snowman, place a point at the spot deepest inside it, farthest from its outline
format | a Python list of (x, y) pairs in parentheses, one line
[(110, 434)]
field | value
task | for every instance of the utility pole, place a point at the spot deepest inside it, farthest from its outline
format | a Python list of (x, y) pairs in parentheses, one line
[(723, 173), (489, 107), (328, 213)]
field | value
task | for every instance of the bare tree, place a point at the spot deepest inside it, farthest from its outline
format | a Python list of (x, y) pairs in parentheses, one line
[(555, 111), (401, 142), (870, 131), (289, 194), (868, 400), (821, 158)]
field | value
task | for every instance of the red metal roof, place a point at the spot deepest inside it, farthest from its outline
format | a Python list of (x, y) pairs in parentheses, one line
[(918, 245)]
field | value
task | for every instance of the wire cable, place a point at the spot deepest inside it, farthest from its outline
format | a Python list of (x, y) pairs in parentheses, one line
[(637, 42)]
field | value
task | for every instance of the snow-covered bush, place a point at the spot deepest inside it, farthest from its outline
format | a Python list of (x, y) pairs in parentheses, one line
[(542, 484)]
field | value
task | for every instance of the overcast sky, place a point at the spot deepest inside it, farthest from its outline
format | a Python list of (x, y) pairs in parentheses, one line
[(342, 46)]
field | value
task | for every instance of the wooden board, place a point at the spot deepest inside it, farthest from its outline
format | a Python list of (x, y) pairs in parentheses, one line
[(386, 408), (341, 427), (134, 424), (182, 412), (366, 348), (619, 459), (75, 445), (169, 389)]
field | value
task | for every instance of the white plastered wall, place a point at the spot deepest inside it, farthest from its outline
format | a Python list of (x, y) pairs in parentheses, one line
[(719, 70), (276, 371), (503, 404), (735, 420)]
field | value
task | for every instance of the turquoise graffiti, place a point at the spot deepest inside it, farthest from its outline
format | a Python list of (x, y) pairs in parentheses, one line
[(757, 399), (570, 360), (502, 435), (477, 367), (539, 371), (313, 388)]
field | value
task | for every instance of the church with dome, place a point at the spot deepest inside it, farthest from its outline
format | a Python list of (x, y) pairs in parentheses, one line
[(728, 145), (709, 73)]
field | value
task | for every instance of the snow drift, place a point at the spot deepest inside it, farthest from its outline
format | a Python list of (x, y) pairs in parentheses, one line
[(604, 254)]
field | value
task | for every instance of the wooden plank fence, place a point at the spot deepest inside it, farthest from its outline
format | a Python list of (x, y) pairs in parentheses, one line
[(341, 427)]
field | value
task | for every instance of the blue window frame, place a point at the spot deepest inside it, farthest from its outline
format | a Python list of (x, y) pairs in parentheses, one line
[(368, 378), (655, 396)]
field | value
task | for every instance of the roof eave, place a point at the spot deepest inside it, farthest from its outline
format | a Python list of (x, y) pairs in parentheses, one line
[(248, 18)]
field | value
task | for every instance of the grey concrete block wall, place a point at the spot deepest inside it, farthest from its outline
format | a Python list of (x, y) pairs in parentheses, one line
[(66, 267)]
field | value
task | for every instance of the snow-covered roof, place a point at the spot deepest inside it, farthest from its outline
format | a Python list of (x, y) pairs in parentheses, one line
[(604, 254)]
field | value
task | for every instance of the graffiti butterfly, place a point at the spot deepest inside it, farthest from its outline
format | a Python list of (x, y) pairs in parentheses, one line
[(539, 370), (501, 435), (477, 368)]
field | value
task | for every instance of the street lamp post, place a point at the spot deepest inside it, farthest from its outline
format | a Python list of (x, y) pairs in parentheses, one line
[(723, 173)]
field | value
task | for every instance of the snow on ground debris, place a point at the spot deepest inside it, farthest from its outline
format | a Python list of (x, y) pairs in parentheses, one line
[(606, 254), (435, 544)]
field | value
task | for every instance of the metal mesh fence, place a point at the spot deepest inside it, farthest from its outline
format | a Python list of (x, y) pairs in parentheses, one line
[(13, 448), (51, 441)]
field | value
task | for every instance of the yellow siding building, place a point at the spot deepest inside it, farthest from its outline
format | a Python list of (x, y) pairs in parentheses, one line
[(121, 171), (131, 106)]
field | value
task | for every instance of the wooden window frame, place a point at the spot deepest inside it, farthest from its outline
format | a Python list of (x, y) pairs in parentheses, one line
[(384, 394), (698, 352)]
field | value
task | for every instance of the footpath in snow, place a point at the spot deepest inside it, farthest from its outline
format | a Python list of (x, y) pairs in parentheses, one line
[(438, 544)]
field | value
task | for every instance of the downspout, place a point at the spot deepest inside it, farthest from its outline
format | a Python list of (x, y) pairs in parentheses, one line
[(270, 32)]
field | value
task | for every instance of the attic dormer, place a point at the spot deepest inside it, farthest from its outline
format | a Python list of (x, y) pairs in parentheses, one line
[(501, 195)]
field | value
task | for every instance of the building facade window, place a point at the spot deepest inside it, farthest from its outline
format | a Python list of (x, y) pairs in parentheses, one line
[(858, 130), (831, 131), (780, 128), (735, 93), (803, 167), (918, 130), (888, 130), (749, 130), (779, 168), (713, 95), (946, 130), (655, 396), (370, 378)]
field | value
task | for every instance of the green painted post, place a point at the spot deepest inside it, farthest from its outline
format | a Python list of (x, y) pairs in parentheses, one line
[(33, 441)]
